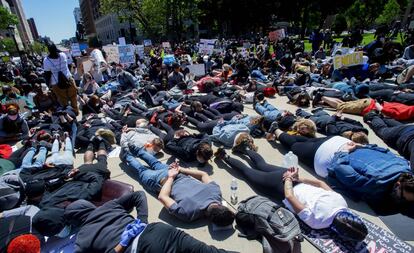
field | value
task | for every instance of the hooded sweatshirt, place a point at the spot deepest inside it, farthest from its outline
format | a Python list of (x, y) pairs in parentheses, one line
[(102, 227)]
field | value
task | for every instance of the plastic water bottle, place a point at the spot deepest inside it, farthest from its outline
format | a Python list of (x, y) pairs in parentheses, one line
[(233, 188), (290, 160)]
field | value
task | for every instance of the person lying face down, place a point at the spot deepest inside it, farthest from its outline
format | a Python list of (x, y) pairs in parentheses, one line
[(110, 228), (366, 172)]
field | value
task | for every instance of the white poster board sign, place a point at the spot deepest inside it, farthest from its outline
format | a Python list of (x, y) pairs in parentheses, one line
[(122, 41), (197, 69), (87, 66), (112, 53), (206, 46), (126, 54), (139, 49), (166, 44), (75, 48), (147, 43)]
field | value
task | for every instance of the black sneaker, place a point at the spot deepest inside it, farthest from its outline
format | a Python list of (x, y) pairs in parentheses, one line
[(124, 152), (370, 116), (273, 127), (316, 99)]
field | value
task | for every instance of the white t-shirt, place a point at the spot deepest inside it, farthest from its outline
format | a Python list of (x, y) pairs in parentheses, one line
[(321, 205), (56, 65), (326, 152)]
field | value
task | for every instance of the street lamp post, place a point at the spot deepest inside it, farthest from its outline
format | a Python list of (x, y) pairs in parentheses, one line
[(11, 29)]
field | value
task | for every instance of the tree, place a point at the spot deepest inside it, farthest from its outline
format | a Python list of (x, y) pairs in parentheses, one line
[(390, 13), (8, 45), (38, 47), (362, 13), (339, 24), (7, 18)]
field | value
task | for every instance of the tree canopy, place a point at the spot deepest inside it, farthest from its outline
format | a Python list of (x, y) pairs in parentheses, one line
[(174, 18), (7, 18)]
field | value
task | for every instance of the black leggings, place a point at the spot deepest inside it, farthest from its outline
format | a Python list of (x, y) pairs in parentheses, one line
[(165, 137), (263, 175), (305, 148), (203, 127)]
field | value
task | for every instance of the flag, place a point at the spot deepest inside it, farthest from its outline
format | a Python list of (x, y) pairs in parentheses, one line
[(162, 53)]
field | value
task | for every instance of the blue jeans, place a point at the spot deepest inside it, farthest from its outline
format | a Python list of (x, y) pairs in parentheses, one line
[(149, 176), (27, 161), (268, 111)]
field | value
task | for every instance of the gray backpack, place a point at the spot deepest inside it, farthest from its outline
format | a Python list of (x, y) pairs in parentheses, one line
[(260, 218), (11, 191)]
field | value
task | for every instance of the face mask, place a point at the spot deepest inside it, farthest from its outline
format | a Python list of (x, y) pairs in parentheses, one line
[(13, 117)]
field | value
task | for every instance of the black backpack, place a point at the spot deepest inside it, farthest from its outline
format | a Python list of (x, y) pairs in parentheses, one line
[(260, 218)]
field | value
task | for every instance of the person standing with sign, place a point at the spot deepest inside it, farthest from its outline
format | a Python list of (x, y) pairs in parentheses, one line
[(59, 78)]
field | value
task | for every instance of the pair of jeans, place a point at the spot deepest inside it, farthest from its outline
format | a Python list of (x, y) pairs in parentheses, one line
[(149, 176), (262, 175), (267, 110), (65, 158), (27, 161)]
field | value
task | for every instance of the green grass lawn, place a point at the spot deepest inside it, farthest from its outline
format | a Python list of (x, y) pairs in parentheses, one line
[(367, 38)]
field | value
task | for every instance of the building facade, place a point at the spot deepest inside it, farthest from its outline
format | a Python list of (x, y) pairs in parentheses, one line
[(107, 28), (87, 18), (33, 28), (9, 34), (16, 8), (77, 15)]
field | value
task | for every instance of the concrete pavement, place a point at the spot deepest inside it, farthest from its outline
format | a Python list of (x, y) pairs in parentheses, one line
[(229, 240)]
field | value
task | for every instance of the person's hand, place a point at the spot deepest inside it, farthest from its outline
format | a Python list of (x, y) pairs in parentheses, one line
[(221, 120), (73, 172), (174, 169), (339, 114), (131, 231), (292, 174), (351, 146)]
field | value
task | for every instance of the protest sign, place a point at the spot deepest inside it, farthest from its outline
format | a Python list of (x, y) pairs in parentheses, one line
[(139, 49), (68, 56), (280, 34), (83, 46), (350, 59), (122, 41), (277, 35), (112, 53), (75, 48), (87, 65), (378, 240), (166, 44), (206, 46), (147, 43), (126, 54), (197, 69)]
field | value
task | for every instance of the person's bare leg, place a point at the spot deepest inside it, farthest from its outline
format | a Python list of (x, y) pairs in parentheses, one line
[(332, 102)]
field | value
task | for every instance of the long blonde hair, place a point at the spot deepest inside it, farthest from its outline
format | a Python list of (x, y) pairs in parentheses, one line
[(307, 122)]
